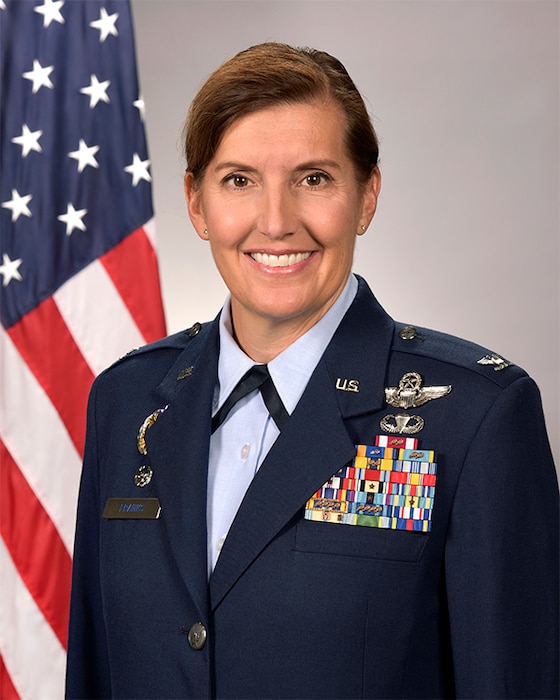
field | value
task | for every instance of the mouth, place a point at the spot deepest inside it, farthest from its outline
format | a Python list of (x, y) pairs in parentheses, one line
[(285, 260)]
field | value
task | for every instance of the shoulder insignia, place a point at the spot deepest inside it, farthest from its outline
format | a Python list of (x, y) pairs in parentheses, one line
[(129, 353), (495, 361)]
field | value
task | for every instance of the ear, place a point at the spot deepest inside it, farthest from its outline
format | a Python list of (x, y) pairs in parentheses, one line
[(371, 194), (193, 196)]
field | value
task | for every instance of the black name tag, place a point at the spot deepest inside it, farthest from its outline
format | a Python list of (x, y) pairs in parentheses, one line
[(138, 508)]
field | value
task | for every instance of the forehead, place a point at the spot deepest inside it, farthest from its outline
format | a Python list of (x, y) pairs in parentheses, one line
[(310, 128)]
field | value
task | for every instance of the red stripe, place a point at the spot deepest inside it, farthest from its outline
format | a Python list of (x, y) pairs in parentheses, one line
[(47, 346), (35, 546), (7, 689), (132, 266)]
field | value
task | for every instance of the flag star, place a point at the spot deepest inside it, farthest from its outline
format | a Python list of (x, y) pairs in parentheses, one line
[(9, 269), (96, 91), (39, 76), (73, 219), (85, 155), (140, 106), (29, 140), (139, 170), (2, 5), (50, 10), (105, 24), (18, 205)]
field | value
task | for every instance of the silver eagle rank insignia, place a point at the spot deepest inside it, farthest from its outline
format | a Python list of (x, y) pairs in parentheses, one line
[(495, 361)]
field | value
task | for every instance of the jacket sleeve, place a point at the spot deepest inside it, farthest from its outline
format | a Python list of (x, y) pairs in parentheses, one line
[(501, 561), (87, 673)]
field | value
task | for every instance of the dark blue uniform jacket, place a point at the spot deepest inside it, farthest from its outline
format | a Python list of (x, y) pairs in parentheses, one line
[(303, 609)]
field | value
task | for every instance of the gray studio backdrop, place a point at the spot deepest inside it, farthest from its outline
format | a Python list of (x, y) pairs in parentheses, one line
[(465, 99)]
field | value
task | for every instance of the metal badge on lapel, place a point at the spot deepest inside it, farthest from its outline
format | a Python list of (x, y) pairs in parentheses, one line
[(402, 423), (410, 393), (144, 473), (389, 485), (150, 420)]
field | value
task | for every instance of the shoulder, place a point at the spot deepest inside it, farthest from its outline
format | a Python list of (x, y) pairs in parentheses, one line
[(457, 354), (413, 346), (149, 363)]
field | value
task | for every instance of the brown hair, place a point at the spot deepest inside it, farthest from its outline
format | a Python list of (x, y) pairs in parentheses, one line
[(270, 74)]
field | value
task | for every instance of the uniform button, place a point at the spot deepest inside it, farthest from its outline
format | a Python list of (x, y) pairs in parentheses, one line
[(220, 543), (194, 330), (408, 333), (245, 451), (197, 636)]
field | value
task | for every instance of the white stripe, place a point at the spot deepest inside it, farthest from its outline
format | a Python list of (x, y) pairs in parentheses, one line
[(150, 229), (97, 317), (33, 655), (38, 441)]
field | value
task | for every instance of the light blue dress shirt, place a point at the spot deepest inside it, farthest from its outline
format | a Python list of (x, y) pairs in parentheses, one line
[(240, 444)]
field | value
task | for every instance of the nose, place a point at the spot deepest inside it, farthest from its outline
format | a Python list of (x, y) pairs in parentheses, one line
[(277, 214)]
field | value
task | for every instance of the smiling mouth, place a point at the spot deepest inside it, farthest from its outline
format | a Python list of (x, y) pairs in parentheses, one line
[(279, 260)]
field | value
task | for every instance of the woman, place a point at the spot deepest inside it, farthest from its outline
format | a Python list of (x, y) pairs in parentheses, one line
[(376, 517)]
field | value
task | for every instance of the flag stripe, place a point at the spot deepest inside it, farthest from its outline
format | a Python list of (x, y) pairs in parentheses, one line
[(7, 689), (32, 653), (71, 305), (123, 263), (35, 546), (150, 231), (44, 341), (93, 309), (38, 441)]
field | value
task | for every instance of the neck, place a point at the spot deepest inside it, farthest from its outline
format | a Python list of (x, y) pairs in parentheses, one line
[(263, 339)]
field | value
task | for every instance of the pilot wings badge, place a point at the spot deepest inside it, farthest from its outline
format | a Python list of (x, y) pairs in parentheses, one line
[(410, 393)]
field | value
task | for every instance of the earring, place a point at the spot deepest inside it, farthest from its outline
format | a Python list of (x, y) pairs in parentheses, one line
[(205, 231), (363, 228)]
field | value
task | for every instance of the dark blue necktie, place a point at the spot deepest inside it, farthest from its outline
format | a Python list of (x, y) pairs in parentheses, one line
[(258, 377)]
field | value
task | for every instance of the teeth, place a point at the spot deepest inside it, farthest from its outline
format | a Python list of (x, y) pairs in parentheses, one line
[(279, 260)]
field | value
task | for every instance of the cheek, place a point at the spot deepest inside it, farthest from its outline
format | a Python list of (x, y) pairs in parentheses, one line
[(228, 217)]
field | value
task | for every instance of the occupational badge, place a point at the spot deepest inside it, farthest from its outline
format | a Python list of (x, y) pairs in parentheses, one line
[(402, 423), (410, 393), (143, 475)]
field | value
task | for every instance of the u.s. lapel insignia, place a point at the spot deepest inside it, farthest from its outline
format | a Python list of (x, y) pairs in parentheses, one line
[(185, 373), (402, 423), (495, 361), (348, 385), (410, 393)]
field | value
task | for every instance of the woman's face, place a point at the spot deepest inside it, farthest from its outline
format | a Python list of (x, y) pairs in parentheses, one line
[(281, 207)]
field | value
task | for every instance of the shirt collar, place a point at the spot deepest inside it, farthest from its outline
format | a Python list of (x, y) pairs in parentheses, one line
[(292, 368)]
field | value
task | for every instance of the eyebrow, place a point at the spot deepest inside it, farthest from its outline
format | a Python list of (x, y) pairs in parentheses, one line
[(232, 165), (308, 165)]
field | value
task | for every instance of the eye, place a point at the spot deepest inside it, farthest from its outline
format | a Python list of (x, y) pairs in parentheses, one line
[(237, 181), (315, 179)]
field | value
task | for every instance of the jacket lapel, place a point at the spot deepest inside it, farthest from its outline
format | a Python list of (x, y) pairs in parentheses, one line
[(315, 443), (178, 449)]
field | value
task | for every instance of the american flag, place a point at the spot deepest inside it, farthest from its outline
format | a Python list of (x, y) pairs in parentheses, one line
[(79, 285)]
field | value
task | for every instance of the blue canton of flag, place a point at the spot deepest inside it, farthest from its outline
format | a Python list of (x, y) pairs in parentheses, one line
[(71, 187)]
